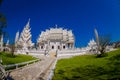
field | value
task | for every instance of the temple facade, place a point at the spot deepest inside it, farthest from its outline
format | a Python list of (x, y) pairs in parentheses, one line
[(53, 39), (56, 39)]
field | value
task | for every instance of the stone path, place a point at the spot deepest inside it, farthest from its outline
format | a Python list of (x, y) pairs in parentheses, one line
[(36, 71)]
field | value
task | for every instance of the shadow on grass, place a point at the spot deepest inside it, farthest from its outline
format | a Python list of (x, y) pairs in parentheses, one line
[(110, 70), (92, 72), (10, 55), (101, 55)]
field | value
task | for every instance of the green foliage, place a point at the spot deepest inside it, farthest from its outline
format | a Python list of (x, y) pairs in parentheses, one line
[(0, 2), (8, 58), (88, 67), (3, 24)]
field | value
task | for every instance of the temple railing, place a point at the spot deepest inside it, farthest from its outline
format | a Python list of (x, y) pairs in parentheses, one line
[(15, 66)]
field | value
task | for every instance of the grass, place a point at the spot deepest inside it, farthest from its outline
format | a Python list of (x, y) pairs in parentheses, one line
[(7, 58), (89, 67)]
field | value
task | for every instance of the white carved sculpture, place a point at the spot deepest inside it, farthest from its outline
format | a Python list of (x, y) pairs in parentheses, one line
[(16, 39)]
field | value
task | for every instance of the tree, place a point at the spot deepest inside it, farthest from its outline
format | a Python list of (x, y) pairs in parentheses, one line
[(12, 47), (102, 43), (2, 25), (0, 2)]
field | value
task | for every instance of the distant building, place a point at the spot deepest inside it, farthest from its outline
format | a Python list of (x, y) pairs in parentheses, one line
[(92, 46), (6, 46)]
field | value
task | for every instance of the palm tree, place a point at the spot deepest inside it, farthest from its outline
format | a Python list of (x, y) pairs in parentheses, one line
[(2, 25)]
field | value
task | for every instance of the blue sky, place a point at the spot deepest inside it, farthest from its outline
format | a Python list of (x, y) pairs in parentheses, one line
[(81, 16)]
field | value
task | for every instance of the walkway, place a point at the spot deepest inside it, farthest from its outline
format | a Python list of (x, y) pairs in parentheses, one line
[(36, 71)]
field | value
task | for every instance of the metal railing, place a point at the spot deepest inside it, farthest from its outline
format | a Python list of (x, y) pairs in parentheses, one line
[(2, 72), (19, 64)]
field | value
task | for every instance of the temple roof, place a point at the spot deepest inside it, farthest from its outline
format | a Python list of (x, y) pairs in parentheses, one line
[(56, 34)]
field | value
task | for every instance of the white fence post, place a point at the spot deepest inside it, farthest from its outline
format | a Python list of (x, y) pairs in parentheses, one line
[(16, 66)]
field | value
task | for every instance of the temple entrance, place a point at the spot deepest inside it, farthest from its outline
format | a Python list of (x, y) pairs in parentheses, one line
[(63, 47), (53, 53), (68, 45), (41, 47), (52, 47), (58, 47)]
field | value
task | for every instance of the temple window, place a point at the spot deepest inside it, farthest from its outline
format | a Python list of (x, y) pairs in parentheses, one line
[(58, 47), (41, 47), (63, 47), (52, 47)]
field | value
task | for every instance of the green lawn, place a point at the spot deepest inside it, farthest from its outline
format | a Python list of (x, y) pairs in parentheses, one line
[(88, 67), (7, 58)]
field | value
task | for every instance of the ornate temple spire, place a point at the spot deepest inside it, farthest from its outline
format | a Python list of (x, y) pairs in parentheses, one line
[(7, 43), (28, 24), (25, 37), (56, 26), (1, 41), (2, 38), (97, 37), (16, 38)]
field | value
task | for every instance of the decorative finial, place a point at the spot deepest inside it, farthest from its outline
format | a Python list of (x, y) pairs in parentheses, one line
[(28, 23), (7, 42), (56, 26), (29, 20), (18, 31)]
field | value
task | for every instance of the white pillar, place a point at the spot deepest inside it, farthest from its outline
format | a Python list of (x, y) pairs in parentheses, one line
[(45, 46), (55, 45), (70, 46)]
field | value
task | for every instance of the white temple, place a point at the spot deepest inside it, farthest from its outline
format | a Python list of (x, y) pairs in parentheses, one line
[(52, 39), (56, 39)]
